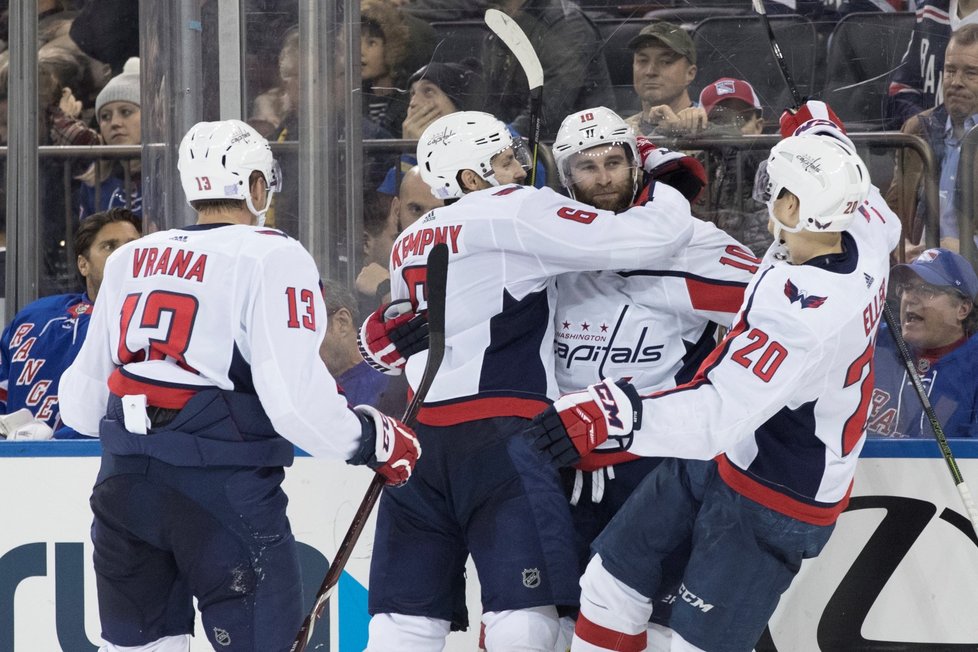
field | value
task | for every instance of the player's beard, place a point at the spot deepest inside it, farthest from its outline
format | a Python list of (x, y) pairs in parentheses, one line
[(612, 198)]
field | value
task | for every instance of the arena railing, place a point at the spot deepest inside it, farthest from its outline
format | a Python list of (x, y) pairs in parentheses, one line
[(887, 141)]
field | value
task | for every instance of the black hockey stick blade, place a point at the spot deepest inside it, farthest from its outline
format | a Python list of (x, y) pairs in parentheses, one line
[(435, 288), (778, 56), (516, 40)]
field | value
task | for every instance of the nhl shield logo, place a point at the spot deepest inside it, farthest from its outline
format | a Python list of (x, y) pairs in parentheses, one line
[(531, 578), (221, 637)]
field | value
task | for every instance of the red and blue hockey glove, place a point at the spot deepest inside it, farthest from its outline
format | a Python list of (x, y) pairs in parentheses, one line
[(391, 334), (682, 172), (387, 446), (811, 117), (603, 415)]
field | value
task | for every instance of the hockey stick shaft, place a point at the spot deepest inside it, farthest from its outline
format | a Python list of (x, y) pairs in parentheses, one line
[(506, 29), (436, 284), (935, 424), (892, 324), (778, 56)]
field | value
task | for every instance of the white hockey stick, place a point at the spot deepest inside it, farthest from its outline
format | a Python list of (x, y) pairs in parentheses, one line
[(516, 40)]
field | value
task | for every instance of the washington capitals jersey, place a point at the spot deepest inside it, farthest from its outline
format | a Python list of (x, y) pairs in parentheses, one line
[(505, 246), (652, 327), (917, 84), (950, 382), (234, 307), (36, 348), (782, 402)]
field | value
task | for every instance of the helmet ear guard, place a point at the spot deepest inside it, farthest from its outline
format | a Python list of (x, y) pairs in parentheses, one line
[(828, 178)]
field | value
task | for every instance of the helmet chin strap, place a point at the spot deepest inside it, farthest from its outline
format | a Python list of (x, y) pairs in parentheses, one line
[(780, 226), (260, 214)]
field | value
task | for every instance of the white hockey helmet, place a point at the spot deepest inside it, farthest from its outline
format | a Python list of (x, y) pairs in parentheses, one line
[(466, 140), (216, 161), (828, 178), (590, 128)]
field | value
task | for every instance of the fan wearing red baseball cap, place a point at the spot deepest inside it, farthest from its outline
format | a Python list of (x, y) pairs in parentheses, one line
[(732, 103), (733, 108), (939, 321)]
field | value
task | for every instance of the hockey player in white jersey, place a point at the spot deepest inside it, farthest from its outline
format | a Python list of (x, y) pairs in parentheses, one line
[(653, 326), (483, 489), (199, 373), (767, 434)]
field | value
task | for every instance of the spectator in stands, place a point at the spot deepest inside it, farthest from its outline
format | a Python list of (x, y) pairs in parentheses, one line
[(733, 108), (380, 229), (108, 30), (943, 127), (413, 200), (361, 383), (438, 89), (938, 320), (570, 52), (108, 184), (384, 48), (663, 67), (915, 85), (45, 336)]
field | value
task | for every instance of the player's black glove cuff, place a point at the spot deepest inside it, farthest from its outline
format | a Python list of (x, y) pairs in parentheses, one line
[(550, 437)]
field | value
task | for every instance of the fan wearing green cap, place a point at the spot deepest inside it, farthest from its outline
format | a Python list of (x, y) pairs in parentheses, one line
[(663, 67)]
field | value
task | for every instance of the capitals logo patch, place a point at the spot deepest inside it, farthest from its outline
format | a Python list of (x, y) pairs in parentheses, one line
[(806, 301)]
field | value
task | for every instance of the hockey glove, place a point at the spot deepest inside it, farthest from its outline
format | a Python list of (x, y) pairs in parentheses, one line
[(22, 426), (391, 334), (603, 415), (387, 446), (810, 115), (682, 172)]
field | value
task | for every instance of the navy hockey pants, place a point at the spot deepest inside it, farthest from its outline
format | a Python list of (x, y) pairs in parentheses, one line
[(481, 488), (591, 517), (164, 534), (743, 555)]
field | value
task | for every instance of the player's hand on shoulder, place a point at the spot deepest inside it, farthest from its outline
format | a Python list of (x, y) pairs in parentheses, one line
[(681, 171), (391, 334), (387, 446), (603, 415)]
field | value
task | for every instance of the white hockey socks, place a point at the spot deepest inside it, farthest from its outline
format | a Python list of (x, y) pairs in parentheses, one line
[(400, 633), (521, 630), (613, 616), (179, 643)]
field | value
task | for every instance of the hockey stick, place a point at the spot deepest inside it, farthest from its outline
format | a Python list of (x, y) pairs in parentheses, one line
[(776, 50), (515, 39), (437, 279), (891, 323), (952, 465)]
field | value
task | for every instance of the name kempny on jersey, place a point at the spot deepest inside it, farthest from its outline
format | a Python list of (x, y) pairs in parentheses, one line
[(184, 263), (621, 354), (418, 242)]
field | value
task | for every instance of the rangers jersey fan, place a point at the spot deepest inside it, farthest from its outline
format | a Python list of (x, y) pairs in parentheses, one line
[(172, 290), (505, 245), (917, 83), (37, 346)]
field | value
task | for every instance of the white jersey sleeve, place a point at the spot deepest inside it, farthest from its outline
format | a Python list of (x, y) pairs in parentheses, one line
[(296, 391), (234, 307)]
